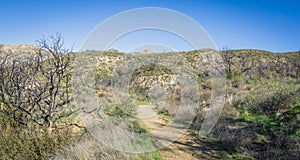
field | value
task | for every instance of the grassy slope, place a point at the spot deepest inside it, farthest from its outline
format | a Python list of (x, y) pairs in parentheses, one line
[(262, 120), (265, 103)]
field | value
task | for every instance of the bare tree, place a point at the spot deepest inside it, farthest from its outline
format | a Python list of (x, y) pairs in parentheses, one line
[(16, 76), (246, 63), (227, 56), (36, 89)]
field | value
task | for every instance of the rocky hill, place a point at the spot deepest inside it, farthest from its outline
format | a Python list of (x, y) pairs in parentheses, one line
[(260, 119), (18, 49)]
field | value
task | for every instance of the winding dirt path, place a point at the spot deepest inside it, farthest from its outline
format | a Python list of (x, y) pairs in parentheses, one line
[(174, 142)]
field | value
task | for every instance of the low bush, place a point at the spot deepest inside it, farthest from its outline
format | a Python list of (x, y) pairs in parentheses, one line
[(18, 142)]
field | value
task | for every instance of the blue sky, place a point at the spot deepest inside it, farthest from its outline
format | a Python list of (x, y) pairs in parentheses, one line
[(259, 24)]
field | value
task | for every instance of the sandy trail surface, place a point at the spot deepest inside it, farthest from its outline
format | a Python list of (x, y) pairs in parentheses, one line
[(174, 141)]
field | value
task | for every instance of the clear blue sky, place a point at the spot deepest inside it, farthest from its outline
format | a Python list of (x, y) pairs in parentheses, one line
[(260, 24)]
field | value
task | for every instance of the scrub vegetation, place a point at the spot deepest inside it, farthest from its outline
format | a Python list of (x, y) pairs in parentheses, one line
[(38, 120)]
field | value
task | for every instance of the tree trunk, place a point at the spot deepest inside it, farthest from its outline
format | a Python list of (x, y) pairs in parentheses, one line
[(50, 127)]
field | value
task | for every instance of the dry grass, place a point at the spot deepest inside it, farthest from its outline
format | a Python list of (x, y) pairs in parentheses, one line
[(89, 148)]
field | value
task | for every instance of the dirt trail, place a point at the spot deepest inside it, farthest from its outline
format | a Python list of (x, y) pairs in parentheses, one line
[(174, 142)]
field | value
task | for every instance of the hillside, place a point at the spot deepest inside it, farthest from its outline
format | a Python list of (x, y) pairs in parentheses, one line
[(142, 93), (260, 119), (18, 49)]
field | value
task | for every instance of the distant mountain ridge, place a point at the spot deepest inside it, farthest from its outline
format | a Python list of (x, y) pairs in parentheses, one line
[(18, 49)]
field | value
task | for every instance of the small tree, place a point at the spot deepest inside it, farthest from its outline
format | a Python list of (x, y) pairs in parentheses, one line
[(227, 56), (35, 89), (16, 79), (246, 63)]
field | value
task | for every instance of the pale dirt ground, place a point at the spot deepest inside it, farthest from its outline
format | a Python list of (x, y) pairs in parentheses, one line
[(171, 146)]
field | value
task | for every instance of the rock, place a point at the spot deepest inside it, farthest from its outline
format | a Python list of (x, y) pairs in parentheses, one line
[(112, 50), (147, 52)]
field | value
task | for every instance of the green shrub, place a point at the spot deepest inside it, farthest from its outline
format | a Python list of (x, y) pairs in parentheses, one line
[(18, 142)]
